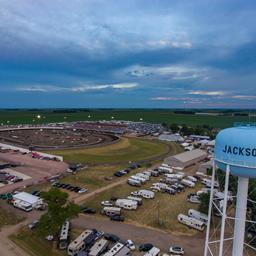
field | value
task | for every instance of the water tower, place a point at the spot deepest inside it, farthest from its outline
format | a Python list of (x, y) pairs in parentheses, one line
[(235, 153)]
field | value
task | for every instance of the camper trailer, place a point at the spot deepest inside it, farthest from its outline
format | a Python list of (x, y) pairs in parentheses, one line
[(126, 204), (174, 176), (133, 182), (191, 222), (78, 245), (191, 178), (154, 251), (208, 183), (99, 247), (134, 177), (188, 183), (118, 250), (111, 211), (146, 193), (148, 173), (198, 215), (64, 235), (163, 169), (144, 176), (137, 199), (193, 198)]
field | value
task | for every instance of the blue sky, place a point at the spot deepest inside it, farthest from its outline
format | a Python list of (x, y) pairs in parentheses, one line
[(127, 53)]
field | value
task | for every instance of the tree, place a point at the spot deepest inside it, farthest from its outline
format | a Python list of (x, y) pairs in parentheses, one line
[(205, 201), (59, 210), (174, 127)]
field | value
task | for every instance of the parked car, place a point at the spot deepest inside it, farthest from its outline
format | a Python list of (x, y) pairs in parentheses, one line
[(33, 224), (117, 218), (145, 247), (111, 237), (176, 250), (82, 190), (88, 210), (107, 203), (130, 245)]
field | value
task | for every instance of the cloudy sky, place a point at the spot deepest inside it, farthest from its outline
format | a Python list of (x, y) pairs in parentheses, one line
[(128, 53)]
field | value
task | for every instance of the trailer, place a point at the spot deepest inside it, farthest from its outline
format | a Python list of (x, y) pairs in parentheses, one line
[(134, 177), (134, 198), (111, 211), (191, 222), (64, 235), (163, 169), (208, 183), (144, 176), (191, 178), (148, 173), (194, 198), (188, 183), (146, 193), (114, 250), (198, 215), (134, 182), (78, 245), (99, 247), (126, 204), (27, 207), (174, 176)]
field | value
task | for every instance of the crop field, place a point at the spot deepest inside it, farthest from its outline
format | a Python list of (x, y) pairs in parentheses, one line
[(154, 116), (124, 151), (160, 212)]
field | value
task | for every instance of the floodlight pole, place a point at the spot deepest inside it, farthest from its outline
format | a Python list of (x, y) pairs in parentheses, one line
[(241, 206)]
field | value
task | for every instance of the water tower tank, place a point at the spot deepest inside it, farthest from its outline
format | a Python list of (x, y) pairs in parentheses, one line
[(236, 147)]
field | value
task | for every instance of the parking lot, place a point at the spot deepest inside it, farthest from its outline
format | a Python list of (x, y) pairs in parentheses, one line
[(33, 171)]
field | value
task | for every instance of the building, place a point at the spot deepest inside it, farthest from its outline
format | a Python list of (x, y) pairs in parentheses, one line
[(199, 137), (187, 158), (171, 137), (28, 199)]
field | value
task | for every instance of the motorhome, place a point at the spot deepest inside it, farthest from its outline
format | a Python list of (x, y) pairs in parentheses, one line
[(78, 245), (208, 183), (64, 235), (111, 211), (198, 215), (27, 207), (220, 196), (137, 199), (148, 173), (191, 222), (188, 183), (146, 193), (144, 176), (118, 249), (165, 165), (174, 176), (99, 247), (133, 182), (134, 177), (126, 204), (154, 251), (191, 178), (163, 169)]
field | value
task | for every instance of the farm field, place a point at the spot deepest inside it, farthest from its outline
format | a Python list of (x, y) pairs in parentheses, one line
[(160, 212), (122, 152), (154, 116), (8, 218)]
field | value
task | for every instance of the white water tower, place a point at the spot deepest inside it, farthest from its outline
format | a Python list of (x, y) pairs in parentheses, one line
[(235, 153)]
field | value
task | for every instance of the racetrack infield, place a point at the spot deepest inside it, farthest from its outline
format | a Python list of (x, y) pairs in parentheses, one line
[(126, 150)]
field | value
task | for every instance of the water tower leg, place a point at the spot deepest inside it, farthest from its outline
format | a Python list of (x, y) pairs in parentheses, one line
[(241, 205)]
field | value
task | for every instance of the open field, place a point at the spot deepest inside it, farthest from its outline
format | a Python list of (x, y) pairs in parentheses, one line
[(155, 116), (123, 151), (8, 218), (160, 212)]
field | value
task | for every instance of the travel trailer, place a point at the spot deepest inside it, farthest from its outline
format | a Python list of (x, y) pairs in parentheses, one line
[(111, 211), (146, 193), (134, 177), (193, 198), (126, 204), (163, 169), (191, 222), (174, 176), (146, 177), (191, 178), (198, 215), (188, 183), (208, 183), (153, 252), (118, 250), (99, 247), (133, 182), (137, 199), (78, 245)]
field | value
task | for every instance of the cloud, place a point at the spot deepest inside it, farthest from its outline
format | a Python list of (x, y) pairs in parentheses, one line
[(81, 88), (244, 97), (208, 93)]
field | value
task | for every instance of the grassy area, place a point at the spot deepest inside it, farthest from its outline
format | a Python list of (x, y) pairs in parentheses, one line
[(8, 218), (123, 151), (156, 116), (34, 245), (160, 212)]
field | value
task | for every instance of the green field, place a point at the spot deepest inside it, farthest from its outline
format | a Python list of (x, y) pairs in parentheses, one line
[(8, 218), (155, 116), (124, 151)]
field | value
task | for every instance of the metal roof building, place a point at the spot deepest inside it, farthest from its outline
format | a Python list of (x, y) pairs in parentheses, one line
[(187, 158), (28, 198)]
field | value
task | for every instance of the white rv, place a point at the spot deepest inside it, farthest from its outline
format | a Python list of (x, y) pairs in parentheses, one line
[(78, 244), (191, 222), (134, 177), (27, 207), (118, 250), (126, 204), (148, 173), (99, 247), (174, 176), (134, 198), (146, 193), (146, 177), (165, 169), (133, 182), (188, 183), (111, 211), (153, 252), (194, 198), (165, 165), (198, 215), (208, 183), (191, 178), (64, 235)]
